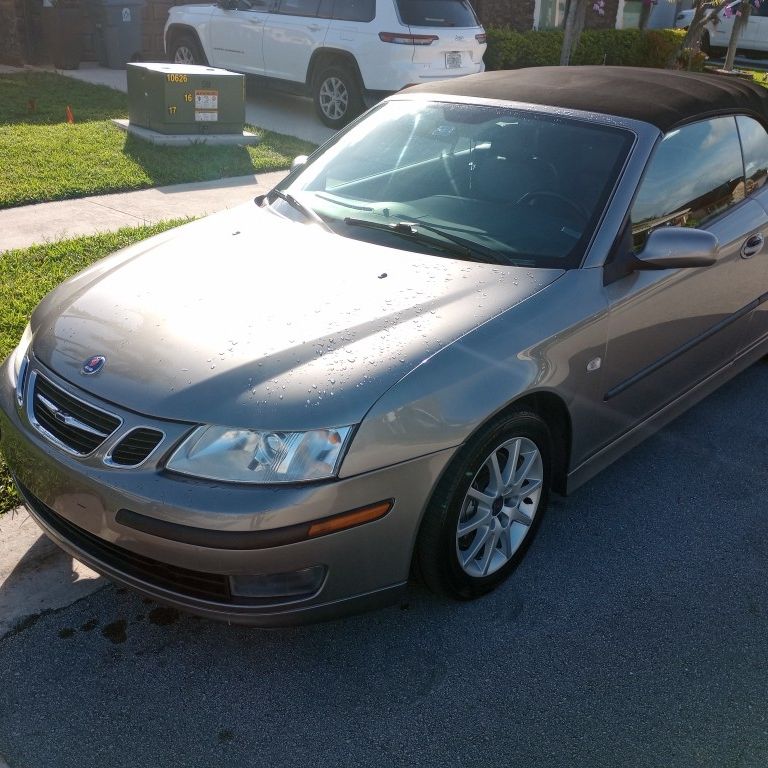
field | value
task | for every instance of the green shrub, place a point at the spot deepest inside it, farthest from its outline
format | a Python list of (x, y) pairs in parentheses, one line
[(659, 48)]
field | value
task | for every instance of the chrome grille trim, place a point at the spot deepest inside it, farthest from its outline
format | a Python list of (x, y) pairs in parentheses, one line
[(118, 443), (65, 418), (21, 381), (33, 397)]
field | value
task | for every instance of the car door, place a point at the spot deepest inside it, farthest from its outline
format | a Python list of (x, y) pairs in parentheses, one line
[(291, 35), (754, 143), (669, 329), (237, 33)]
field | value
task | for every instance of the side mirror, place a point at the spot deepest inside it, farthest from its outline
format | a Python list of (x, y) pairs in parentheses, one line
[(677, 248), (298, 162)]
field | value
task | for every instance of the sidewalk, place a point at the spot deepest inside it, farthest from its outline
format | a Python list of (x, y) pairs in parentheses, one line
[(46, 222)]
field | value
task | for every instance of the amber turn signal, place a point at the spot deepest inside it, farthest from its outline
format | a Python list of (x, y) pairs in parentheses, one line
[(350, 519)]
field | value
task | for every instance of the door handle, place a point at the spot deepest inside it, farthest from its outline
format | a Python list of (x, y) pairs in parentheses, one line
[(255, 22), (752, 245), (314, 27)]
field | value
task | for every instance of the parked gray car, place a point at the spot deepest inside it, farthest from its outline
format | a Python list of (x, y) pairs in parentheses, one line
[(481, 291)]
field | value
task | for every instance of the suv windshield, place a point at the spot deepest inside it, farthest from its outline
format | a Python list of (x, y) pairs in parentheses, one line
[(437, 13), (466, 181)]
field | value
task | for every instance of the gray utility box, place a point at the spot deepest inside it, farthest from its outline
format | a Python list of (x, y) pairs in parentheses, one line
[(118, 31), (185, 99)]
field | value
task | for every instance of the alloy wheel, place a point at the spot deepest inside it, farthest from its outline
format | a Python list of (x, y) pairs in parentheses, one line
[(184, 55), (334, 98), (499, 507)]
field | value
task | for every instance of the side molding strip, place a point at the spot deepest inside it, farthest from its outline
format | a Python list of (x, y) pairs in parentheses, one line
[(670, 356)]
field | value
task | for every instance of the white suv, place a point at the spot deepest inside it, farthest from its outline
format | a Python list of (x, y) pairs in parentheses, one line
[(754, 36), (344, 53)]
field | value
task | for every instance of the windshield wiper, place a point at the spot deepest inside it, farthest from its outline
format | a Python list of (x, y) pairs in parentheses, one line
[(455, 245), (336, 201), (483, 250), (300, 207)]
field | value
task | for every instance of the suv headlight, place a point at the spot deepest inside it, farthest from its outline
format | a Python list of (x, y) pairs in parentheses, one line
[(19, 362), (256, 456)]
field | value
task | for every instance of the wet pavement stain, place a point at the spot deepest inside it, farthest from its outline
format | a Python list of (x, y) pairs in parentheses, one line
[(225, 735), (163, 616), (115, 632), (89, 625), (66, 633)]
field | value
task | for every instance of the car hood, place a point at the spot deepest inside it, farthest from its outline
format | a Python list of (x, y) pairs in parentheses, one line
[(245, 319)]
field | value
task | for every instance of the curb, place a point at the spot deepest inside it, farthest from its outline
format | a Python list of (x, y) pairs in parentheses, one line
[(3, 764)]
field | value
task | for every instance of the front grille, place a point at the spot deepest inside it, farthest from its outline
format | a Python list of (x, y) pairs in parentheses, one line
[(206, 586), (135, 447), (76, 425)]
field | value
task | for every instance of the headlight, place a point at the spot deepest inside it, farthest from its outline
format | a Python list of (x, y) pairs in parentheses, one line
[(19, 362), (254, 456)]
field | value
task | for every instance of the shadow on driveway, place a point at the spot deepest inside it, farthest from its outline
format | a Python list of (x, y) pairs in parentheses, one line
[(36, 577)]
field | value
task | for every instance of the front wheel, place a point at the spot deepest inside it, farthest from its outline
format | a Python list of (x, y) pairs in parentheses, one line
[(338, 98), (713, 51), (487, 508)]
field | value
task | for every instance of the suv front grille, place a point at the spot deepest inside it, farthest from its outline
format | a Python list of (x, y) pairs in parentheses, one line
[(74, 425)]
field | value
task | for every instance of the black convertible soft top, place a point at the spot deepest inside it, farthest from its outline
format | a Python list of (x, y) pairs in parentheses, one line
[(665, 98)]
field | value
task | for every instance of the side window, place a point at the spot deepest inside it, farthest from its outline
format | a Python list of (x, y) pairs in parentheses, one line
[(695, 174), (354, 10), (299, 7), (754, 144)]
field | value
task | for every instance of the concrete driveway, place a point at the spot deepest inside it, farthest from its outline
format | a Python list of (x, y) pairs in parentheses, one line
[(633, 635), (278, 112)]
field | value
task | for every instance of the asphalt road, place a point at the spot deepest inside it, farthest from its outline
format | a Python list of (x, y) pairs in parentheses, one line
[(634, 634)]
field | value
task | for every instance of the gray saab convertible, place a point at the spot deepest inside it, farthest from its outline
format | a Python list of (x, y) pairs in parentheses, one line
[(482, 291)]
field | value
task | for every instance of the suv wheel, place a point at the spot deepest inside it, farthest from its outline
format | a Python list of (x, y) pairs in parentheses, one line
[(713, 51), (337, 96), (186, 50)]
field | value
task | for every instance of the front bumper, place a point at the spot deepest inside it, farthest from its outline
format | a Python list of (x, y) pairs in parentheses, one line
[(76, 502)]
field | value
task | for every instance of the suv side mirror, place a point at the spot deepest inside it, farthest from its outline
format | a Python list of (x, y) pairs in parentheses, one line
[(298, 162), (677, 248)]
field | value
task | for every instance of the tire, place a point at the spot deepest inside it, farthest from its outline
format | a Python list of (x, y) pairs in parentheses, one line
[(714, 52), (186, 50), (337, 95), (444, 558)]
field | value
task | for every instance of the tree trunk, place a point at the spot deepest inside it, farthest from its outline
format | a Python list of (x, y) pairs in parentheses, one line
[(696, 27), (645, 14), (574, 24), (738, 25)]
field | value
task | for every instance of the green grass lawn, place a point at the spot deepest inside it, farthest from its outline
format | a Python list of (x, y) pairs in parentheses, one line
[(759, 77), (27, 274), (42, 157)]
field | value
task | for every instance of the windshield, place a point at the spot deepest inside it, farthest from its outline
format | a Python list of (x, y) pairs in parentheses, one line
[(465, 181)]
